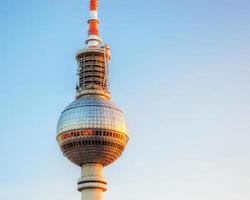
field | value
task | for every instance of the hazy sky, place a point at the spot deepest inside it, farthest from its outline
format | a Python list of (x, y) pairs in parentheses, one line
[(181, 72)]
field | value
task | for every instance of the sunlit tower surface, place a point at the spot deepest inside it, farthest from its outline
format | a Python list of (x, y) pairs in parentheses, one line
[(92, 130)]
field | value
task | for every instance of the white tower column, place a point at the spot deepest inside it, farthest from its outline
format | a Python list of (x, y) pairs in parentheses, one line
[(92, 184)]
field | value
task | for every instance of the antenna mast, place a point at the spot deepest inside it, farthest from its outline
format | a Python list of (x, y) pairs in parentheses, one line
[(93, 39)]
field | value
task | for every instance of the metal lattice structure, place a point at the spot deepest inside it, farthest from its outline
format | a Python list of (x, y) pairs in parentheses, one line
[(93, 71)]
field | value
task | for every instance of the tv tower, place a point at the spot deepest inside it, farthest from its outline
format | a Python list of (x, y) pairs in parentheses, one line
[(92, 130)]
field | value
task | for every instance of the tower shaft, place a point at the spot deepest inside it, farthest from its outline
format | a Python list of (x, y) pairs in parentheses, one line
[(92, 184)]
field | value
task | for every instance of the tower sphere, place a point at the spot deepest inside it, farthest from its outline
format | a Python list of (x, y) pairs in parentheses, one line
[(92, 129)]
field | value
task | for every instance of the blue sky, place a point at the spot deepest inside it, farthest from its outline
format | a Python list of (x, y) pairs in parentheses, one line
[(180, 70)]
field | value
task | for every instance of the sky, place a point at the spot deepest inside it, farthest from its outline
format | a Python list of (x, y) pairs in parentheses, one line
[(180, 70)]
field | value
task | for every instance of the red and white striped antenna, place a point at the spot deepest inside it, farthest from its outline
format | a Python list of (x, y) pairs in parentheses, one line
[(93, 39)]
